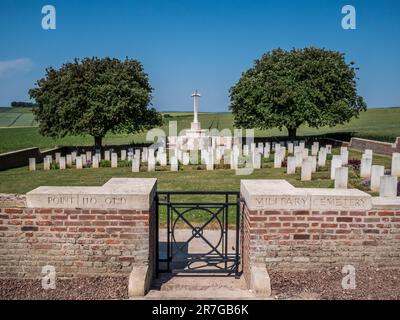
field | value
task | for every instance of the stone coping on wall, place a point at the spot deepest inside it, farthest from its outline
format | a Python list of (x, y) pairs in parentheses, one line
[(117, 193), (386, 203), (281, 195)]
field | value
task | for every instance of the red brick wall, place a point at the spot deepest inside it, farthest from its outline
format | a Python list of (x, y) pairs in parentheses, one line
[(75, 242), (311, 239), (376, 146)]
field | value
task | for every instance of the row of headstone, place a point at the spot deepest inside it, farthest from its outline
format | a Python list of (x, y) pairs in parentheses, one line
[(210, 157), (302, 159)]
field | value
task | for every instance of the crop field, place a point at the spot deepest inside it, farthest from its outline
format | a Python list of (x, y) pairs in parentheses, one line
[(18, 129)]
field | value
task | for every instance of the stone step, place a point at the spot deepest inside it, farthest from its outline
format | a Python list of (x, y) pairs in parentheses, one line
[(170, 282), (206, 294), (211, 286)]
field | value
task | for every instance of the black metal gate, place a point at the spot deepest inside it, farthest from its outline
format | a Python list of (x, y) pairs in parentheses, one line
[(198, 236)]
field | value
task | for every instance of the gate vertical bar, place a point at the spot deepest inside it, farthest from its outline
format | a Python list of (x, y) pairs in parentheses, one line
[(157, 237), (226, 213), (237, 235), (169, 254)]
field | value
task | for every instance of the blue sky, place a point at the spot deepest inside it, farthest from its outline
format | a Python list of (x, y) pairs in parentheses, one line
[(203, 44)]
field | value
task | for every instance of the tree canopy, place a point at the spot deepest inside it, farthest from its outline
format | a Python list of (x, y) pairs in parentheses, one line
[(94, 96), (287, 89)]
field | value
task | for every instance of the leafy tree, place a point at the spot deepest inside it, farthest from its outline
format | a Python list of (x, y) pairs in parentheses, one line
[(94, 96), (286, 89)]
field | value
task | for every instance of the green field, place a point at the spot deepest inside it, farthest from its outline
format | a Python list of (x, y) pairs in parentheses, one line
[(16, 117), (379, 124)]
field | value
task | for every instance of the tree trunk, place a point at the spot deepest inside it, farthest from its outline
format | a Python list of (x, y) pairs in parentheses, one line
[(292, 133), (98, 142)]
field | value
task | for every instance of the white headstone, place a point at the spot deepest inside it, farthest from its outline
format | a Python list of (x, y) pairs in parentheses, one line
[(95, 161), (369, 153), (32, 164), (210, 162), (114, 160), (163, 159), (107, 155), (306, 169), (123, 155), (62, 163), (341, 177), (257, 161), (185, 158), (322, 157), (376, 173), (388, 187), (46, 163), (57, 156), (137, 153), (151, 163), (145, 154), (395, 164), (305, 153), (174, 163), (291, 165), (246, 150), (314, 149), (290, 148), (73, 156), (299, 158), (365, 167), (136, 164), (69, 160), (335, 163), (277, 160), (267, 148), (88, 155), (78, 162), (344, 154), (313, 160)]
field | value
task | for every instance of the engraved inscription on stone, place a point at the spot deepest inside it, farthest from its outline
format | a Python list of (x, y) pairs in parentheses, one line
[(86, 201), (282, 202), (339, 202)]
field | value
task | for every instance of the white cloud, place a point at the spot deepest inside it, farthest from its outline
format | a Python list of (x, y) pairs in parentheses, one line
[(16, 65)]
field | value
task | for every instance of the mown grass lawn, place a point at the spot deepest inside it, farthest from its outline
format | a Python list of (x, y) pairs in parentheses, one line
[(21, 180)]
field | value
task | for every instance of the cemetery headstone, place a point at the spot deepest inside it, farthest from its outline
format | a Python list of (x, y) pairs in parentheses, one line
[(376, 173), (78, 162), (69, 160), (32, 164), (136, 164), (388, 187), (395, 164), (365, 167), (62, 163), (306, 169), (335, 163), (114, 160), (291, 165), (341, 178), (123, 155), (95, 161)]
